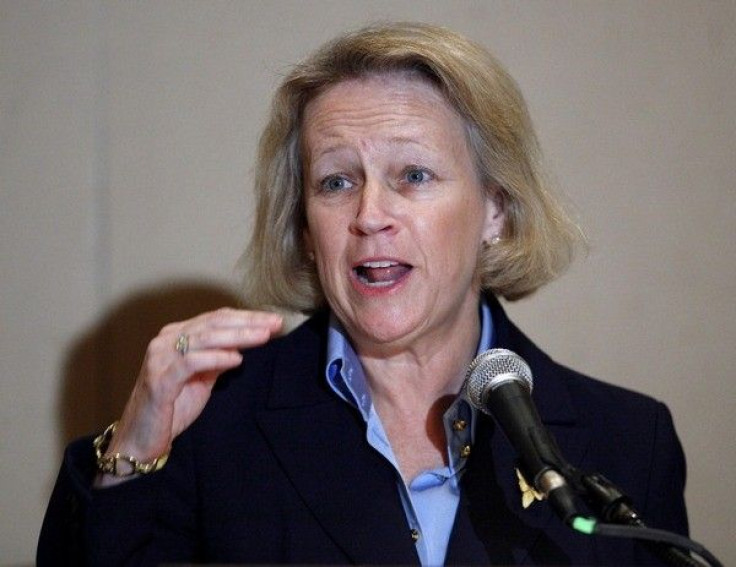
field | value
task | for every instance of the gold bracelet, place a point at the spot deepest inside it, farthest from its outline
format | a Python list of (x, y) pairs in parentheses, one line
[(110, 464)]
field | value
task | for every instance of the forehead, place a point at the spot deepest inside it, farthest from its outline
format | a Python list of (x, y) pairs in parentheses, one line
[(397, 105)]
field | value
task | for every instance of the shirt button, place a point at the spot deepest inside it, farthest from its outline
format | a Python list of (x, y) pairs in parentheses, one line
[(465, 451), (459, 425), (414, 535)]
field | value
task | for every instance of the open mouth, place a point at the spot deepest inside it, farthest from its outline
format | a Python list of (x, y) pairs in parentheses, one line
[(381, 273)]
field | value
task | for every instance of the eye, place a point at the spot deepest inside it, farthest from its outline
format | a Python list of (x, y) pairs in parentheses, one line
[(417, 175), (335, 183)]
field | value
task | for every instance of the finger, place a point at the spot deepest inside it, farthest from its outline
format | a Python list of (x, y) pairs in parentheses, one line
[(226, 329), (225, 338), (166, 385), (198, 362), (226, 317)]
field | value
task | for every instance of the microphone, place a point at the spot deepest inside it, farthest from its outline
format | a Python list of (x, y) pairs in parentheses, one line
[(499, 383)]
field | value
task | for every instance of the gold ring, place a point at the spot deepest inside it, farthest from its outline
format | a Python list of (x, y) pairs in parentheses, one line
[(182, 344)]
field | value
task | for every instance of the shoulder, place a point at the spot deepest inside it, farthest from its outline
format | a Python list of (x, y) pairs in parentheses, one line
[(284, 369), (564, 394), (628, 436), (286, 356), (614, 414), (596, 400), (634, 443)]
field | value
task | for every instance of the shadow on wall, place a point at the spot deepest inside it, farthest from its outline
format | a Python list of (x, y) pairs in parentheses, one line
[(104, 362)]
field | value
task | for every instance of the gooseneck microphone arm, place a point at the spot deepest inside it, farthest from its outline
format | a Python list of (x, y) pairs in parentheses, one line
[(499, 383), (541, 462)]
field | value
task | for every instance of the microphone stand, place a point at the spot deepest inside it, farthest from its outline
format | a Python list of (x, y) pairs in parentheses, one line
[(611, 505), (563, 484), (620, 519)]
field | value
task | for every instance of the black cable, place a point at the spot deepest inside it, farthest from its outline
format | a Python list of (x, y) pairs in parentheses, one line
[(589, 526)]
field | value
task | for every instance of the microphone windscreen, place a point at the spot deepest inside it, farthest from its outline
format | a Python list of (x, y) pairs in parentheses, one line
[(492, 368)]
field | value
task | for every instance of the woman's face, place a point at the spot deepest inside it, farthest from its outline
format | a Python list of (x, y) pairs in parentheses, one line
[(396, 215)]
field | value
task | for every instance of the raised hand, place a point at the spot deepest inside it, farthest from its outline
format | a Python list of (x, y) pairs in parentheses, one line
[(180, 368)]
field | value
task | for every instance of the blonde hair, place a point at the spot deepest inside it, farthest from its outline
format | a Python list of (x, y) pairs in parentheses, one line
[(538, 238)]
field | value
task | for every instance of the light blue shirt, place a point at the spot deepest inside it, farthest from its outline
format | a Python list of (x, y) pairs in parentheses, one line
[(430, 500)]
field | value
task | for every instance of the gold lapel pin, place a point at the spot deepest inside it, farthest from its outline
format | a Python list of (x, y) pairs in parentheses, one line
[(528, 492)]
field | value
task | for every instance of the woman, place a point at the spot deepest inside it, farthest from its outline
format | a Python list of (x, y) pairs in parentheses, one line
[(400, 192)]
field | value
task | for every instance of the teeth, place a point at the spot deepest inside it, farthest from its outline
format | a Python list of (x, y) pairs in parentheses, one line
[(380, 264)]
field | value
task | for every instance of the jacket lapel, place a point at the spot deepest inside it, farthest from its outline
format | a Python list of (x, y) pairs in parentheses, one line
[(491, 512), (320, 442)]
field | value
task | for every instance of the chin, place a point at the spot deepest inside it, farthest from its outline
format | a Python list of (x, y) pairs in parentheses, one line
[(387, 329)]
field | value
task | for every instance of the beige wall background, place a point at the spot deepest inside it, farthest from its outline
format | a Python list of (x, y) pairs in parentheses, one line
[(127, 135)]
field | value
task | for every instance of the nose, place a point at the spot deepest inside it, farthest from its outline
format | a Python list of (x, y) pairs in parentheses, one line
[(374, 212)]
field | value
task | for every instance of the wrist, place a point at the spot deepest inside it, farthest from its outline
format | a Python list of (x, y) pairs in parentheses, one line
[(117, 464)]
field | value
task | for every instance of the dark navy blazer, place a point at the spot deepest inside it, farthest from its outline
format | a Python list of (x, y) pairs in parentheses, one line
[(277, 470)]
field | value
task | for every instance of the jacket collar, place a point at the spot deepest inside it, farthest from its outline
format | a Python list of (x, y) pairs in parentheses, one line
[(550, 393), (302, 355)]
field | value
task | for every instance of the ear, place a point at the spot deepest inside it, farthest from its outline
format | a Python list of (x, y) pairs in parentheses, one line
[(495, 214)]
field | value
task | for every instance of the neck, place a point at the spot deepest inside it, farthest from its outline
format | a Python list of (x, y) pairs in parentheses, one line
[(414, 378), (412, 389)]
